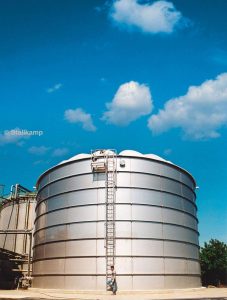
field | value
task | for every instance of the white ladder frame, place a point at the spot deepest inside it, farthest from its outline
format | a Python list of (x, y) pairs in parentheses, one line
[(108, 164)]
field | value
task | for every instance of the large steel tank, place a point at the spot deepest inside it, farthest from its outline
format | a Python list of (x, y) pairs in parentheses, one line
[(156, 235)]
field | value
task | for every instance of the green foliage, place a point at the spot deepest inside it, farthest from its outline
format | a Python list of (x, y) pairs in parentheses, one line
[(213, 260)]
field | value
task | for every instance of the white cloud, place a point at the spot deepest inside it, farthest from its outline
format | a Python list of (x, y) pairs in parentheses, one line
[(60, 152), (200, 113), (42, 150), (80, 116), (13, 136), (38, 150), (41, 162), (54, 88), (168, 151), (156, 17), (131, 101)]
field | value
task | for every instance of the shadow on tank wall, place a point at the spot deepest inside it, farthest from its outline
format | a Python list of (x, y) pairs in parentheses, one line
[(8, 275)]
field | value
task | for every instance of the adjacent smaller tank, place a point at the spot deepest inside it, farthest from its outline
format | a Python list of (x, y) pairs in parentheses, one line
[(16, 224), (17, 213)]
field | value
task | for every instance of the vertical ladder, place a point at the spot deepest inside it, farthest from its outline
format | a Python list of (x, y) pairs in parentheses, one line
[(105, 161), (111, 176)]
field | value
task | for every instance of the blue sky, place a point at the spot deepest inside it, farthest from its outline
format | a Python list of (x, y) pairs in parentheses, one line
[(127, 74)]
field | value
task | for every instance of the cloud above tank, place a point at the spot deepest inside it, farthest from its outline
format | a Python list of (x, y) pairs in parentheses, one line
[(14, 136), (54, 88), (60, 152), (131, 101), (38, 150), (79, 116), (200, 113), (43, 150), (155, 17)]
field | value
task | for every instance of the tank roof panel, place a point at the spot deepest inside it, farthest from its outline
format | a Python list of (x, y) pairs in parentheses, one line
[(76, 157), (130, 153), (138, 154)]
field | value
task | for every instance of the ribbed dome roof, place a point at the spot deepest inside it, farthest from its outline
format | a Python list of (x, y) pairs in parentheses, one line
[(132, 153), (76, 157), (138, 154)]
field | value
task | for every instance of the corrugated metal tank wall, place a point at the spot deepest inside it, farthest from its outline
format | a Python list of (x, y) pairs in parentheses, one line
[(17, 215), (156, 226)]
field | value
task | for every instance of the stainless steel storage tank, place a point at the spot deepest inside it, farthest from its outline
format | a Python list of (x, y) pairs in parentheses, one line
[(156, 235)]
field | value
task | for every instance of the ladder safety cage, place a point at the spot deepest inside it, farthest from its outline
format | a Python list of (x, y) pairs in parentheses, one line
[(106, 161), (98, 161)]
